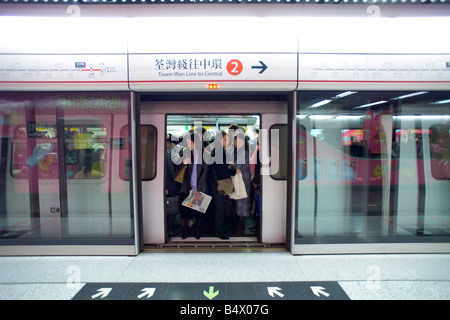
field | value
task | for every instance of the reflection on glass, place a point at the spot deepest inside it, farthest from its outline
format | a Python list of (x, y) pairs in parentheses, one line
[(85, 151), (59, 172), (373, 166)]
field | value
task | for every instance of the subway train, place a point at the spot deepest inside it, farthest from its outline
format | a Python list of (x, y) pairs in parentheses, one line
[(346, 115)]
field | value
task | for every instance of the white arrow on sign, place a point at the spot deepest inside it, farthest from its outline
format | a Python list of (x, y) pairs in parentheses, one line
[(147, 292), (317, 290), (274, 290), (103, 292)]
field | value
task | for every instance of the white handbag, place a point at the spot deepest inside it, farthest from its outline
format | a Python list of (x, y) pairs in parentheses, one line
[(239, 187)]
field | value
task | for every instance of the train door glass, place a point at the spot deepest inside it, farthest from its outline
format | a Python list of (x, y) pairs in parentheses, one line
[(59, 174), (229, 145), (31, 199), (372, 167)]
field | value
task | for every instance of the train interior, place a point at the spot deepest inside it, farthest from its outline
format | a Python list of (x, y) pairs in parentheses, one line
[(215, 132), (231, 216)]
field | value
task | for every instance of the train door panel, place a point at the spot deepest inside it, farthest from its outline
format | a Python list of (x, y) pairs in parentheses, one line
[(433, 202), (153, 194), (437, 176), (273, 127), (305, 174), (33, 202), (273, 228), (86, 147)]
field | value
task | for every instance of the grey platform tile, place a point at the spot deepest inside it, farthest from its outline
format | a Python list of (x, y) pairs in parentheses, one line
[(37, 291), (213, 267), (424, 266), (397, 290), (350, 267), (61, 269)]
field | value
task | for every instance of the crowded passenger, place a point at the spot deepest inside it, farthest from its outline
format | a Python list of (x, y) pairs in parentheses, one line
[(241, 163), (195, 178), (213, 165), (221, 185)]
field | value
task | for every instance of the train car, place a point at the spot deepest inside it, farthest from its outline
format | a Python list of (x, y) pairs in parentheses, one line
[(345, 113), (373, 173)]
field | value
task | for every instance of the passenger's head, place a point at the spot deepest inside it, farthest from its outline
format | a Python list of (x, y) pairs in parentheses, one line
[(239, 139), (232, 129), (192, 139), (225, 139), (200, 130), (169, 143)]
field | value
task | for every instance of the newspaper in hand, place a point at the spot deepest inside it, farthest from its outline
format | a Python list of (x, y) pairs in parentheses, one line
[(197, 200)]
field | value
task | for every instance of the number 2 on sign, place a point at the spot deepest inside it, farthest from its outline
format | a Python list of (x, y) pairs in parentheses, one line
[(234, 67)]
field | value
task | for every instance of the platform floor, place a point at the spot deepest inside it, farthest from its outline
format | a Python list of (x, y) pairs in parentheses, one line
[(362, 277)]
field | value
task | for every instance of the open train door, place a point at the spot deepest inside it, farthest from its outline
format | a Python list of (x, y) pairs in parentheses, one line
[(274, 144), (159, 114), (152, 164)]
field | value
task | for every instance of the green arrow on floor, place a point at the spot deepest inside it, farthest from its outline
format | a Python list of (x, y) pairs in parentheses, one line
[(211, 294)]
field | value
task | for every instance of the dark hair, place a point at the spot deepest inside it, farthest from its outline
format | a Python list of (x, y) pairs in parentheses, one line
[(223, 133), (195, 136), (241, 135)]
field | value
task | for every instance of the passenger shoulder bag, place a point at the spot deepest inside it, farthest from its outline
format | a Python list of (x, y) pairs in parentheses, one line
[(224, 185), (172, 204), (179, 176)]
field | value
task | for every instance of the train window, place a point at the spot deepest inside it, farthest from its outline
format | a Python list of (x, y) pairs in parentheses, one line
[(41, 130), (64, 189), (84, 152), (123, 144), (440, 151), (221, 153), (379, 164), (85, 149), (148, 152), (281, 149), (301, 146), (43, 155)]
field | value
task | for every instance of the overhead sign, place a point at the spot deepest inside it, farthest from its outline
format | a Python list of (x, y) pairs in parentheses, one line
[(317, 70), (228, 71), (262, 66), (63, 72)]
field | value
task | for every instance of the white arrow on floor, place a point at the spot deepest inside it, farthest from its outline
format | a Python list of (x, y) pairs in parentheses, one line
[(274, 290), (147, 292), (103, 292), (317, 290)]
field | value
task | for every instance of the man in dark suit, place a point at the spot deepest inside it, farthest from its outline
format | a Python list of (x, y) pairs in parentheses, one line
[(195, 178)]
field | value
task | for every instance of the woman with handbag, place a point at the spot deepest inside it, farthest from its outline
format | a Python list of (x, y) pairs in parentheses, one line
[(172, 199), (240, 154), (195, 178)]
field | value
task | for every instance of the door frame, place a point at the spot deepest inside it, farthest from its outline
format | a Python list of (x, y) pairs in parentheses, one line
[(179, 97), (136, 173)]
